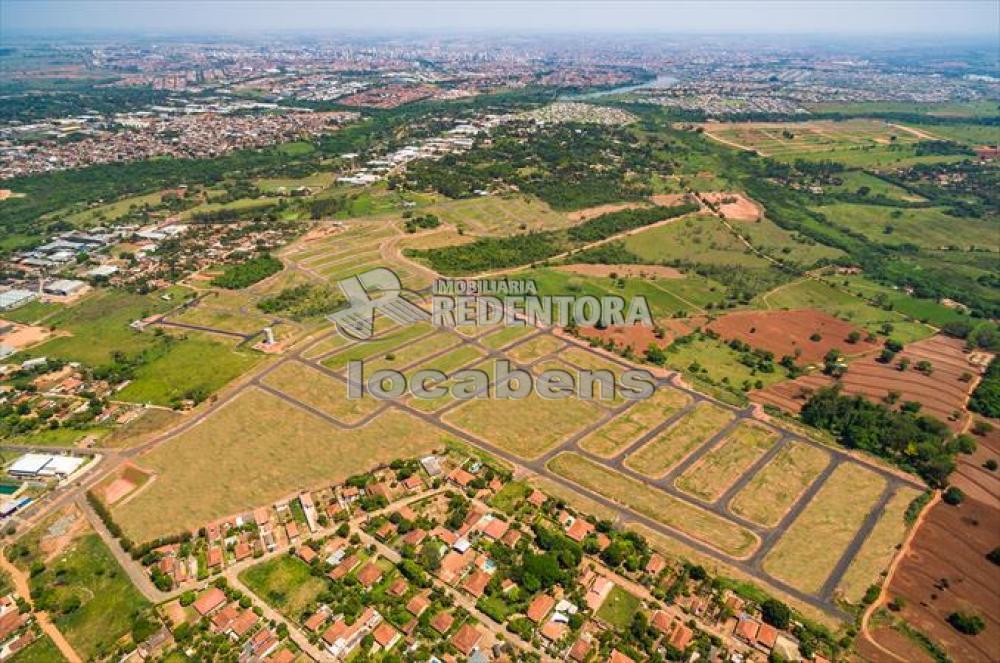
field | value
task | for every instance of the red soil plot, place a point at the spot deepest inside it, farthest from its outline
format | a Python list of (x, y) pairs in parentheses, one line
[(946, 570), (131, 477), (734, 206), (940, 394), (784, 332), (640, 337)]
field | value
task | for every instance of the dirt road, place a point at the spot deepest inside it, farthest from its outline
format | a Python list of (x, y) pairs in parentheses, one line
[(20, 580)]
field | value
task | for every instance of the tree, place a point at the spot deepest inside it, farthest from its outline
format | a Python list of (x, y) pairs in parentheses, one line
[(430, 557), (953, 496), (965, 443), (776, 613), (967, 623)]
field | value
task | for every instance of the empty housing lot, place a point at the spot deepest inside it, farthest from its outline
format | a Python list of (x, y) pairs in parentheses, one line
[(703, 473)]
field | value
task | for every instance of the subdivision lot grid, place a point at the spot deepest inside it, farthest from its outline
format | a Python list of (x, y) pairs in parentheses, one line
[(719, 481)]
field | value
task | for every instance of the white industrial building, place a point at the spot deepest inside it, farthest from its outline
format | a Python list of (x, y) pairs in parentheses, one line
[(44, 465), (64, 287), (14, 298)]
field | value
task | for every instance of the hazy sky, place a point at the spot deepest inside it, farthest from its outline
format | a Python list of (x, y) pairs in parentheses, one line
[(957, 17)]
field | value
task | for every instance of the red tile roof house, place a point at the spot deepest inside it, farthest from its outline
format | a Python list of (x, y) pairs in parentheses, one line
[(540, 607), (214, 557), (385, 531), (511, 537), (454, 564), (398, 587), (341, 639), (655, 565), (413, 483), (283, 656), (242, 624), (766, 636), (223, 618), (618, 657), (461, 477), (344, 567), (262, 643), (209, 600), (242, 551), (579, 651), (495, 529), (386, 636), (661, 621), (306, 554), (315, 621), (747, 630), (414, 537), (476, 583), (536, 498), (369, 574), (466, 639), (681, 637), (441, 622), (418, 604), (579, 530)]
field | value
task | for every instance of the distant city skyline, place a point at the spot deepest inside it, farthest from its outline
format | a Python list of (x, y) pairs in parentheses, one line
[(908, 17)]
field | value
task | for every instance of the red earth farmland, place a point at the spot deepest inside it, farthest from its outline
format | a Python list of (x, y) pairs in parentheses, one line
[(788, 332), (946, 569), (640, 337), (941, 391)]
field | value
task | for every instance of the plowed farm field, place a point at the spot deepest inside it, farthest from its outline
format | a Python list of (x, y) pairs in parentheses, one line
[(941, 391), (785, 332)]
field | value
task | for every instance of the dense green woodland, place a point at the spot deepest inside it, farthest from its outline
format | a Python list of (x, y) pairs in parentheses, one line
[(986, 398), (917, 443), (569, 166)]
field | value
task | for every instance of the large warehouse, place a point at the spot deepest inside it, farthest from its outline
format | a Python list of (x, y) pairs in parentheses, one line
[(44, 465)]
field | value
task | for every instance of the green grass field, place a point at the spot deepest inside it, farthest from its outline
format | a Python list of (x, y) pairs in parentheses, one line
[(788, 247), (774, 489), (982, 108), (42, 650), (809, 293), (57, 437), (618, 608), (194, 367), (927, 227), (968, 134), (108, 602), (625, 429), (926, 310), (500, 215), (852, 180), (98, 326), (698, 239), (286, 583), (724, 464), (696, 427), (719, 362), (32, 313), (664, 296)]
